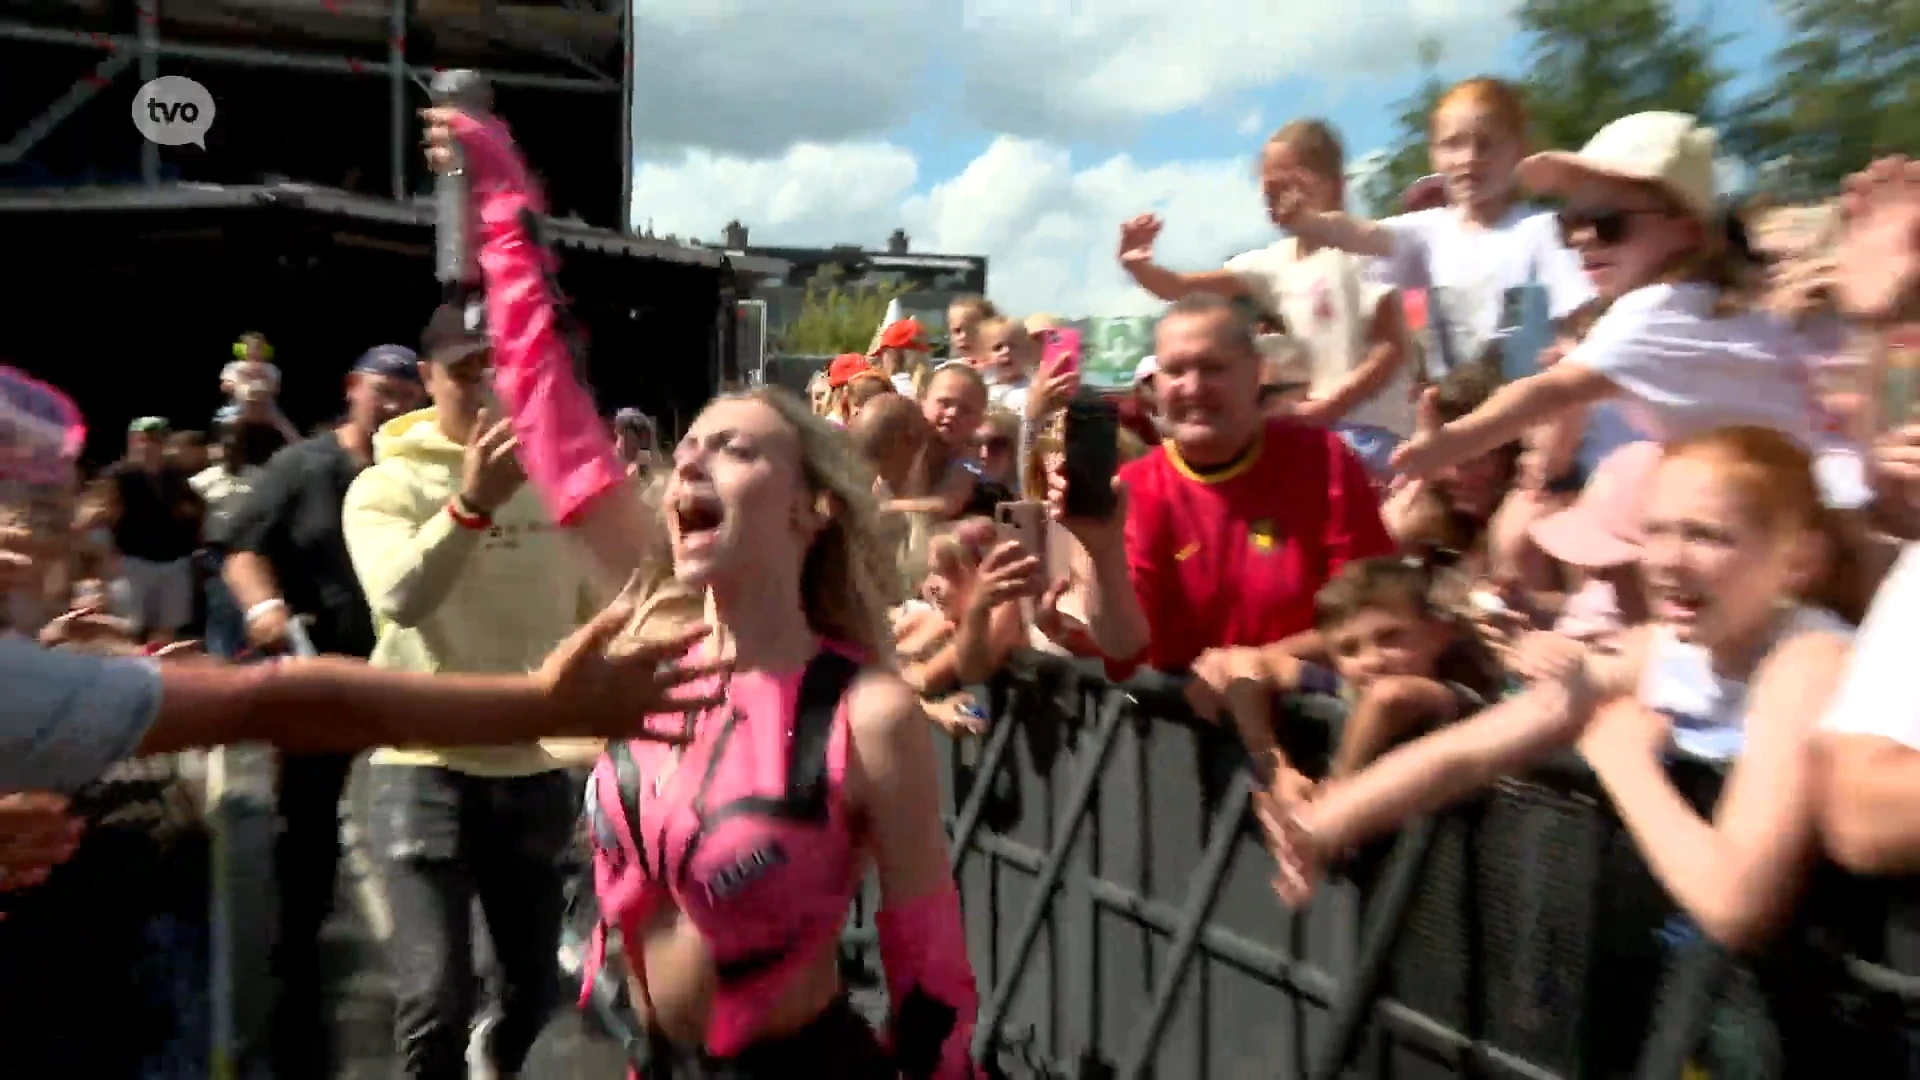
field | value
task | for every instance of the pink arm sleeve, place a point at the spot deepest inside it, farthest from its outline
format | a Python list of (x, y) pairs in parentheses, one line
[(564, 446), (923, 946)]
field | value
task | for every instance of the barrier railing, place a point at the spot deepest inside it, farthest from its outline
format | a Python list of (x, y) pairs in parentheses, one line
[(1122, 924)]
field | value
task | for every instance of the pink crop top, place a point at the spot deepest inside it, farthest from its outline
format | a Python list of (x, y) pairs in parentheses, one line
[(747, 834)]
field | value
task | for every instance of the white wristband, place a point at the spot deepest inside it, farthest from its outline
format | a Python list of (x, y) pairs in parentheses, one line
[(261, 608)]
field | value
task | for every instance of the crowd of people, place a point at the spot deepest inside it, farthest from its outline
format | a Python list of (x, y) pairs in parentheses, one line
[(1631, 476)]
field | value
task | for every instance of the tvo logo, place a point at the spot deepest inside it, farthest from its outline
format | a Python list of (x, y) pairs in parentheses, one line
[(173, 110)]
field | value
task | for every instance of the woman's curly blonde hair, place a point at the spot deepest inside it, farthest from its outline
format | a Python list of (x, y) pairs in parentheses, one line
[(850, 578)]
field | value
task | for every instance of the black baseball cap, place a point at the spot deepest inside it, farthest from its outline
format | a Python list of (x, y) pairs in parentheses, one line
[(396, 361), (447, 339)]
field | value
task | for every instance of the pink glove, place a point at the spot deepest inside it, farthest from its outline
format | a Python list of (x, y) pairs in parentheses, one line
[(923, 946), (566, 449)]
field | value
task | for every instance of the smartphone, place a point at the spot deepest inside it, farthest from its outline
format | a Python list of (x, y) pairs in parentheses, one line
[(1027, 522), (1093, 454), (1060, 349)]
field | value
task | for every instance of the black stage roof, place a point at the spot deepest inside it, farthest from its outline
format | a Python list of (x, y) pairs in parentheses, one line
[(130, 298)]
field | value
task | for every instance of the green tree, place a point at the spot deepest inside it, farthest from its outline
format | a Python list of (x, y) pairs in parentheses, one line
[(1586, 62), (1589, 62), (836, 317), (1845, 88), (1407, 160)]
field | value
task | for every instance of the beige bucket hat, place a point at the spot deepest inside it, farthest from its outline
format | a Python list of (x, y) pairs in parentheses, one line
[(1666, 148)]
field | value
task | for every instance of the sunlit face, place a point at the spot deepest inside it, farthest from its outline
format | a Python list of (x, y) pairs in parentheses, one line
[(963, 325), (1380, 641), (1003, 353), (1476, 153), (459, 385), (1208, 388), (1281, 169), (954, 404), (1713, 572), (819, 393), (1625, 234), (1474, 487), (736, 501)]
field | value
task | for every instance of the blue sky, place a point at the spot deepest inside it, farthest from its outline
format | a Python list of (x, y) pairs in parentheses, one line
[(1363, 114), (1027, 130)]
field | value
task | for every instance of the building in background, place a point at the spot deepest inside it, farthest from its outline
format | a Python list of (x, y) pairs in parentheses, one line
[(931, 281)]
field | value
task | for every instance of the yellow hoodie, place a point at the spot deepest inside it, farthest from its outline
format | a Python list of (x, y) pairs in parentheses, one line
[(449, 598)]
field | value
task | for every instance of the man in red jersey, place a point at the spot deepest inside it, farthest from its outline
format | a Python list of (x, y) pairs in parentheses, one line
[(1228, 528)]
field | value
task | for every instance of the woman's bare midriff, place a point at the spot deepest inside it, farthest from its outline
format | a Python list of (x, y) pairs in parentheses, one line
[(680, 983)]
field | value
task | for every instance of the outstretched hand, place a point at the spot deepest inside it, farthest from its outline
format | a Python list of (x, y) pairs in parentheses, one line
[(1301, 858), (609, 696), (1136, 239), (1877, 262), (1428, 450)]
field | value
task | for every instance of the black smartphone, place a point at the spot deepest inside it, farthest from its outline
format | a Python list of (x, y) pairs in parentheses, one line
[(1092, 440)]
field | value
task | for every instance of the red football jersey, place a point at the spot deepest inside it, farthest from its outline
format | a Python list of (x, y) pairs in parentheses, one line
[(1235, 558)]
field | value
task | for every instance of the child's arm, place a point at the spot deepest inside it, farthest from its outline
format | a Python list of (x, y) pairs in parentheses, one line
[(1136, 255), (1386, 355), (1506, 416), (1391, 709), (1335, 229), (1432, 773)]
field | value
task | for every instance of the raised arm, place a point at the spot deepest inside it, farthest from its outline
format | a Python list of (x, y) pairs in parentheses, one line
[(565, 447), (1136, 257)]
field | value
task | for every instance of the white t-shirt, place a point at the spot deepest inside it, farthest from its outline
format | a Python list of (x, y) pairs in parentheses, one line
[(1683, 371), (1875, 696), (1011, 396), (1328, 300), (1467, 271), (251, 380), (1708, 710)]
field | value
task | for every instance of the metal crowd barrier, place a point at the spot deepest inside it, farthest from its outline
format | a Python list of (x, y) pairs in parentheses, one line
[(1121, 923)]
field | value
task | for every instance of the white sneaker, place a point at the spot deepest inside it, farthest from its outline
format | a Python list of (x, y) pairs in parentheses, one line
[(480, 1064)]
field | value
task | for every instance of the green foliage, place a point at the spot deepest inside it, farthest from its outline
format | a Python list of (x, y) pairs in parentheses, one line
[(1845, 88), (836, 317), (1381, 191), (1587, 62), (1575, 77)]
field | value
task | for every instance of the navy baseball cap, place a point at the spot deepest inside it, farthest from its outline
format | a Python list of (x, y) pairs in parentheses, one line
[(396, 361)]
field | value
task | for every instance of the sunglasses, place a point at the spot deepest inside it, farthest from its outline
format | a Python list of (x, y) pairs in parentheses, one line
[(1609, 225), (996, 445)]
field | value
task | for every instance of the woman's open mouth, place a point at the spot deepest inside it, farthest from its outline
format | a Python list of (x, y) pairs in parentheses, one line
[(696, 521), (1681, 607)]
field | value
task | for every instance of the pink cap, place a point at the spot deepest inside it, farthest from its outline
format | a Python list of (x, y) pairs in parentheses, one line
[(1601, 530)]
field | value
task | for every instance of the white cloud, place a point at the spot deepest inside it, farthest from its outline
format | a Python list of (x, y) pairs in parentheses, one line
[(788, 117), (1049, 229), (755, 76), (1101, 65)]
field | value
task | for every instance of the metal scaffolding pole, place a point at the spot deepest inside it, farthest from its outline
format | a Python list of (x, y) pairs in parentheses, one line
[(628, 27), (64, 106), (251, 57), (149, 44), (400, 21)]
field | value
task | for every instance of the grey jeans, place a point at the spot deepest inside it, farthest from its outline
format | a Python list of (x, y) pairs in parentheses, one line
[(445, 839)]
